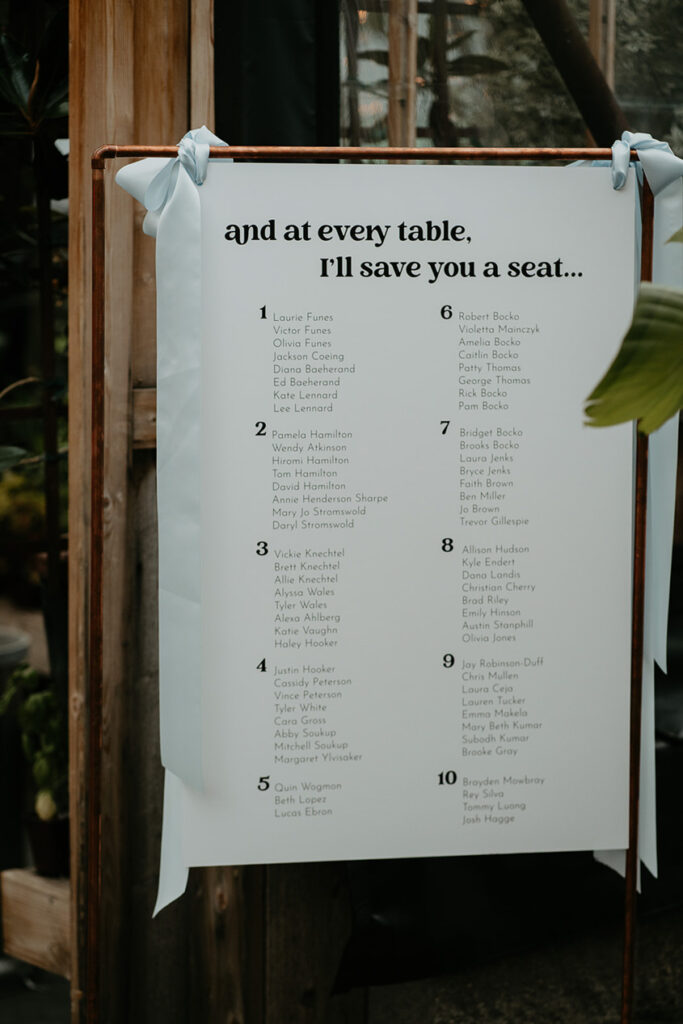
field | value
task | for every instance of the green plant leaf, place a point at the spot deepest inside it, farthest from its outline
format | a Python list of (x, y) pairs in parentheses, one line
[(677, 236), (645, 381), (10, 456), (11, 690), (12, 123), (52, 84), (41, 771), (15, 82), (475, 64)]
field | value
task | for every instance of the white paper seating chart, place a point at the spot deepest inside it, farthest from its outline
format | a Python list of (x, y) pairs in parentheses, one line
[(416, 569)]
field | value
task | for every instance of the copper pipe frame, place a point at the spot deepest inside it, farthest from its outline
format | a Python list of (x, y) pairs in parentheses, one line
[(96, 577), (95, 603), (632, 858)]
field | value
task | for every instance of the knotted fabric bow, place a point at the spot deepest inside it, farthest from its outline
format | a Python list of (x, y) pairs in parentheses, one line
[(660, 165), (193, 155)]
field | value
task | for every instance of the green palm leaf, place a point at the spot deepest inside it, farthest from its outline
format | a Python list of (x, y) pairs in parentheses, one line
[(645, 381)]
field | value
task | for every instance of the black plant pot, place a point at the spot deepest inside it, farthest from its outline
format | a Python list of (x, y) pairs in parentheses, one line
[(49, 842)]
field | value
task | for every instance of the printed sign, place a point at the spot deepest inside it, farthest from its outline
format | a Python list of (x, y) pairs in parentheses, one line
[(416, 568)]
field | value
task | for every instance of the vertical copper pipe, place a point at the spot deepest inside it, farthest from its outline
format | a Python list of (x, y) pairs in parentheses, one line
[(96, 599), (631, 895)]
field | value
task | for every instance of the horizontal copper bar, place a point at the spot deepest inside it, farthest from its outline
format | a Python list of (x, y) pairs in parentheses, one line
[(363, 153), (638, 618)]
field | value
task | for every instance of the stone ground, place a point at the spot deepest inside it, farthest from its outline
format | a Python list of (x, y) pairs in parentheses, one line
[(577, 982), (521, 940)]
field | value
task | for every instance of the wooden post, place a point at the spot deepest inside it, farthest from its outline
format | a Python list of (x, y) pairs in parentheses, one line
[(128, 81), (402, 72), (602, 35), (202, 105), (101, 101), (350, 14)]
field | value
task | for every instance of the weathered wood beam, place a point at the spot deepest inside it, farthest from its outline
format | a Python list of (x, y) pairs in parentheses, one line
[(202, 103), (134, 77), (35, 920), (144, 417), (101, 106), (601, 35)]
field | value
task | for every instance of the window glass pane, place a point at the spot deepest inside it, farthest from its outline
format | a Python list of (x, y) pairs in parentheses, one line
[(482, 76), (649, 67)]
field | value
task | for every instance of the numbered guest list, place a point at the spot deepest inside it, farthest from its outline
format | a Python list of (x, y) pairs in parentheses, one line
[(415, 558)]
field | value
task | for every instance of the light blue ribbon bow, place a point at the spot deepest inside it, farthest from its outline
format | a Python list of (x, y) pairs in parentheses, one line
[(660, 166), (193, 155), (169, 191), (155, 181)]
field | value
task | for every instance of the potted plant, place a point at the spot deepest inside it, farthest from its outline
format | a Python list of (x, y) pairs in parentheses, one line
[(41, 716)]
